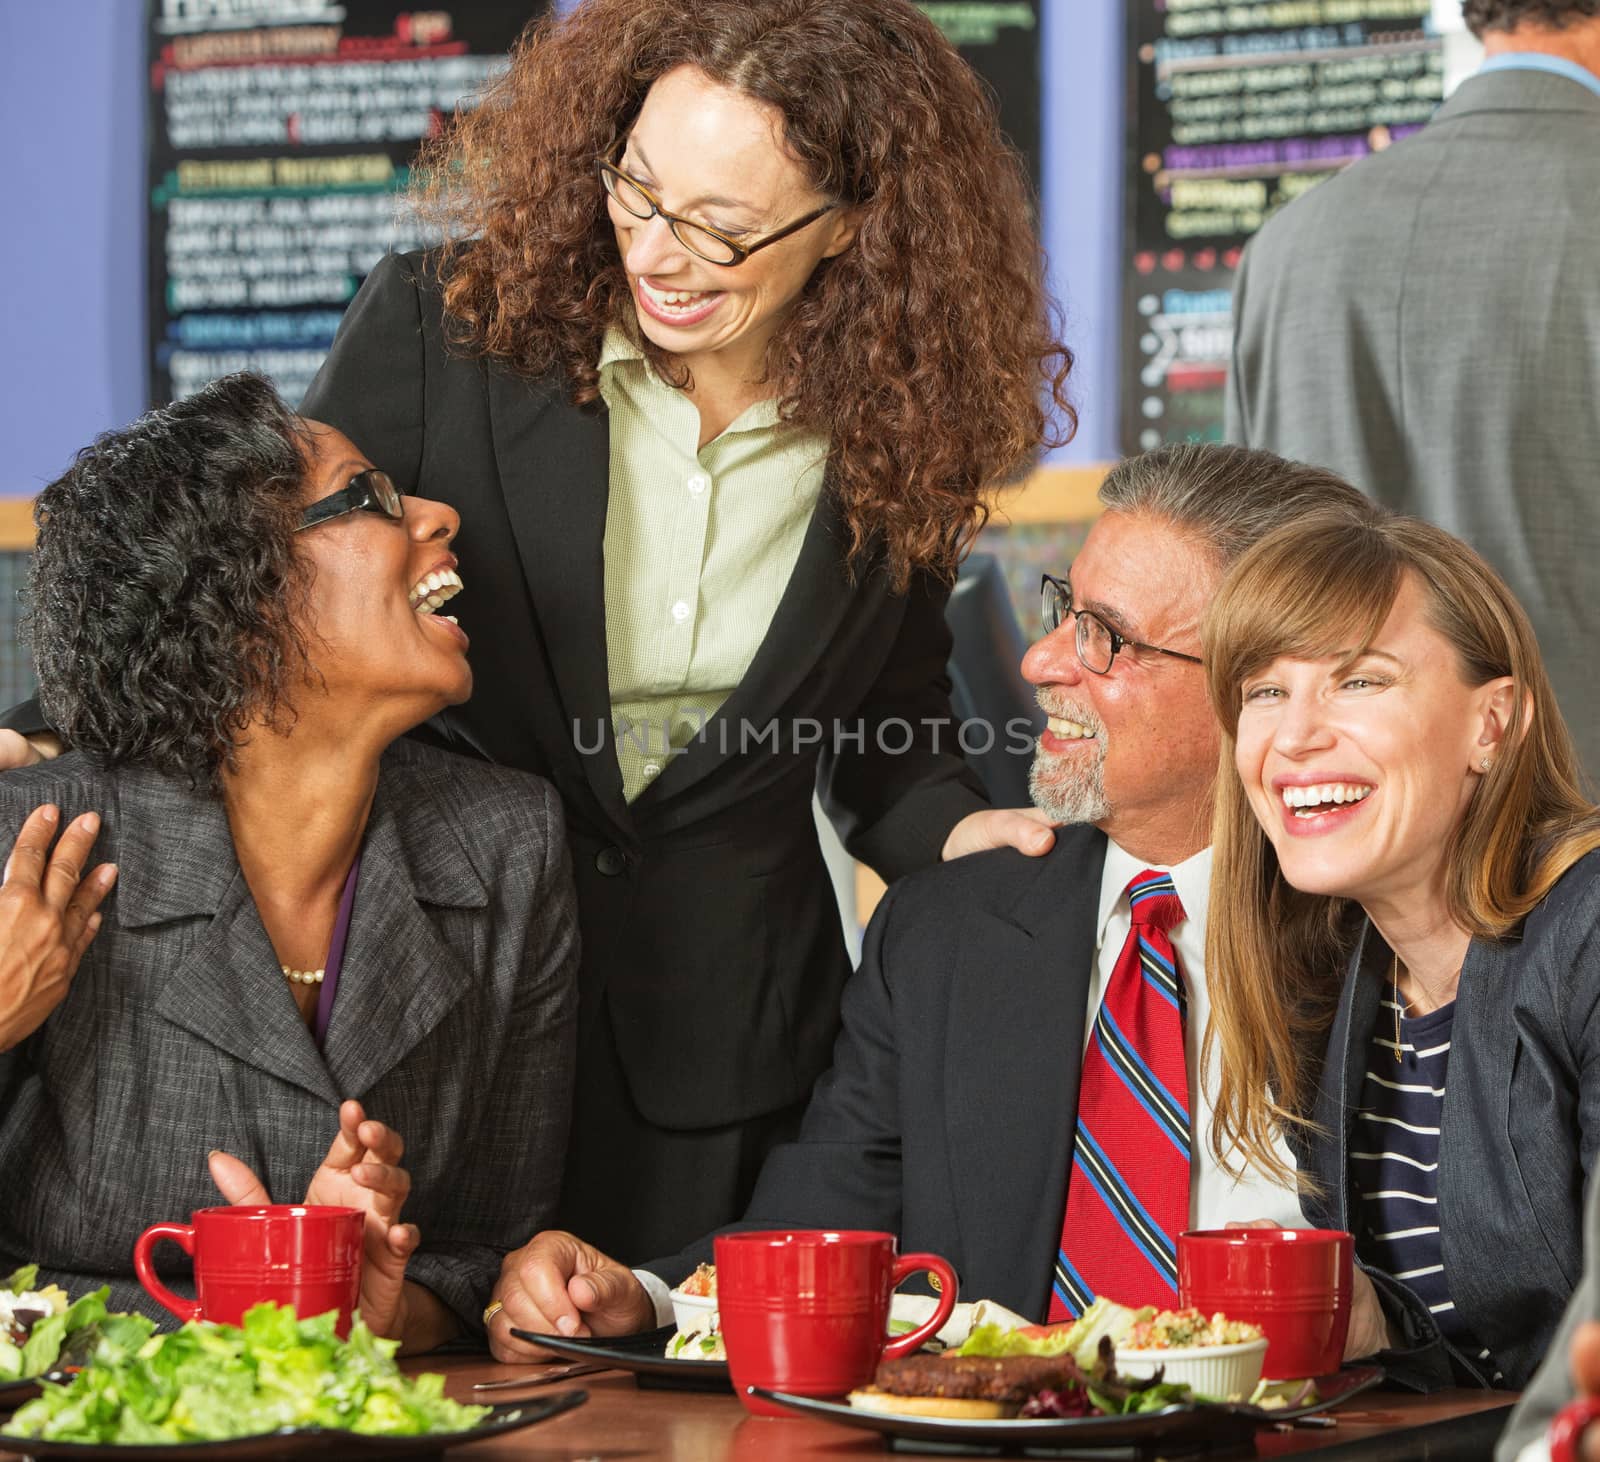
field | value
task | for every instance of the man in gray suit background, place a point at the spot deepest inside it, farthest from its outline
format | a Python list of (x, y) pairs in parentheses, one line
[(1427, 324)]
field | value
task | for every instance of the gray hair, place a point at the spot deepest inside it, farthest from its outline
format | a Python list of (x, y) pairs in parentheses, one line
[(1230, 497)]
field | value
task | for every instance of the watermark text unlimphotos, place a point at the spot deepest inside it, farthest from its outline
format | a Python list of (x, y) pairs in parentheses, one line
[(893, 736)]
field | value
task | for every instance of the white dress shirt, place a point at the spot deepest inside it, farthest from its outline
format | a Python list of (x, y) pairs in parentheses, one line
[(1215, 1198)]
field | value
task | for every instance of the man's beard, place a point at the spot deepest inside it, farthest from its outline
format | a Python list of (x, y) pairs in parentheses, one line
[(1070, 789)]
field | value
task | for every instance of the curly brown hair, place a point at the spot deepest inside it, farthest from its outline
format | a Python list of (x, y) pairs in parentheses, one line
[(928, 353)]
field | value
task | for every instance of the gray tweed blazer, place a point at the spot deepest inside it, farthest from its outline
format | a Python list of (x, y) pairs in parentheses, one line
[(454, 1022)]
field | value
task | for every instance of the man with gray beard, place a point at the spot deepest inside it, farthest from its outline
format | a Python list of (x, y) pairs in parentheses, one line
[(982, 1010)]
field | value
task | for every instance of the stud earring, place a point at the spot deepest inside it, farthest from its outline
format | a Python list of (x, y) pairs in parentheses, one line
[(1486, 763)]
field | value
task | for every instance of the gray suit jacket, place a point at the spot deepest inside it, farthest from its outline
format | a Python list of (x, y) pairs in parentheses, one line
[(1428, 324), (453, 1022), (1551, 1387)]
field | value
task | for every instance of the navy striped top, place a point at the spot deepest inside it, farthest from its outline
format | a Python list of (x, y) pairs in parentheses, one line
[(1394, 1164)]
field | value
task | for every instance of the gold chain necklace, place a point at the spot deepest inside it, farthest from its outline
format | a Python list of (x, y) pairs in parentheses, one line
[(1394, 981)]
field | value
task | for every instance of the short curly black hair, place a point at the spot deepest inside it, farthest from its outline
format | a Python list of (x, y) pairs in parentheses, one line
[(1487, 15), (164, 589)]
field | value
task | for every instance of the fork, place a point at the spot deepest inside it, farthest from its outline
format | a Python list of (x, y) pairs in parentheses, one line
[(545, 1376)]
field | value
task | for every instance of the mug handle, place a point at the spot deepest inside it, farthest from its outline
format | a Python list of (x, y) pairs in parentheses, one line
[(182, 1234), (1568, 1426), (904, 1267)]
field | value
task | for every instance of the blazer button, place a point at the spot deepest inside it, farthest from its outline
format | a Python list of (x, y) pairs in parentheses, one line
[(611, 861)]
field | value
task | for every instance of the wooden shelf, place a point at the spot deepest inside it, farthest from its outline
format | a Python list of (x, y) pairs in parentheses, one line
[(1053, 495), (16, 522)]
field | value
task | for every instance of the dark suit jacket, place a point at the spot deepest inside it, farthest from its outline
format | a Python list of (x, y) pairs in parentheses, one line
[(711, 936), (453, 1022), (949, 1112), (1519, 1133), (1428, 324)]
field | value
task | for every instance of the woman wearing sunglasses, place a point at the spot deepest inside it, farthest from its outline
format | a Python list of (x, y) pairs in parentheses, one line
[(315, 926), (740, 315)]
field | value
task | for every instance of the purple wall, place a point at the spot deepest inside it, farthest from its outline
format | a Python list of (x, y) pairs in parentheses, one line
[(71, 106), (71, 252)]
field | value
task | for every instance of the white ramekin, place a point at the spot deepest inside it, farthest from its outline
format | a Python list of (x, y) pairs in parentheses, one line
[(1218, 1372), (695, 1311)]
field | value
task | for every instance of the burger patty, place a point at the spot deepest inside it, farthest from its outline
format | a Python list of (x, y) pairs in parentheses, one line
[(1011, 1378)]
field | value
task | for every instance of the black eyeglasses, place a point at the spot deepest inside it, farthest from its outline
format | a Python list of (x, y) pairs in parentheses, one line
[(1097, 643), (371, 491), (710, 244)]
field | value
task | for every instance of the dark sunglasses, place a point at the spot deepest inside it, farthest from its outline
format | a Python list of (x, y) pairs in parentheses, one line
[(371, 491)]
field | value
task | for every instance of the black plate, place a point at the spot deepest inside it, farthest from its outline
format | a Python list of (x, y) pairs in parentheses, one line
[(308, 1442), (14, 1393), (1203, 1424), (643, 1354)]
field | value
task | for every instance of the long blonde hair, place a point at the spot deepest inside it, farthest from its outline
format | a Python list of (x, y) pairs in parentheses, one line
[(1275, 957)]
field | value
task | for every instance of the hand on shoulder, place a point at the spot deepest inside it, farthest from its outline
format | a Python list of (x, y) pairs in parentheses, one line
[(17, 750), (49, 914)]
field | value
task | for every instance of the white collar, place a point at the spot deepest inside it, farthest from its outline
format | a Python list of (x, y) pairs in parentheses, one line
[(1191, 878)]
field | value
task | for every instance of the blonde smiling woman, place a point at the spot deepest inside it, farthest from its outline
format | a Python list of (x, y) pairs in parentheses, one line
[(1403, 944)]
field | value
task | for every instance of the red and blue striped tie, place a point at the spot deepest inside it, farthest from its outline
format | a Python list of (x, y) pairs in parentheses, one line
[(1128, 1194)]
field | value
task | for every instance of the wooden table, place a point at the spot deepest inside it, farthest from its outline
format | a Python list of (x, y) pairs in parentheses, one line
[(623, 1421)]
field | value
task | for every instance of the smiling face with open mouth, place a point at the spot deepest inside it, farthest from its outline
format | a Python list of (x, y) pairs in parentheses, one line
[(1360, 766), (716, 156), (1134, 751), (378, 582)]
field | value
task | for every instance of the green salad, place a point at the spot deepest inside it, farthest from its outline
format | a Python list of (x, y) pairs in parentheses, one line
[(212, 1382), (38, 1327)]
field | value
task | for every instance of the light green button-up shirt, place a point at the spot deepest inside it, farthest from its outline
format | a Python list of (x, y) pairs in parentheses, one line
[(700, 544)]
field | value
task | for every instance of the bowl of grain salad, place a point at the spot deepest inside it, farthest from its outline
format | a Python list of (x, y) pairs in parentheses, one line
[(1217, 1358)]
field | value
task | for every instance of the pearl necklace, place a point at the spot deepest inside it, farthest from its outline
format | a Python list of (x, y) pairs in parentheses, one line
[(303, 977)]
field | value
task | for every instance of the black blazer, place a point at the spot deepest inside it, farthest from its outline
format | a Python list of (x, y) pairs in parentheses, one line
[(711, 936), (1518, 1136), (948, 1115)]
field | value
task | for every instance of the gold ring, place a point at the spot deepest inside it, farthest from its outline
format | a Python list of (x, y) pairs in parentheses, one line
[(494, 1307)]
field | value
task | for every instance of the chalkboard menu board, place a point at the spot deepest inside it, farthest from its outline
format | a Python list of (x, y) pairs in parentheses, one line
[(280, 134), (999, 39), (1236, 109)]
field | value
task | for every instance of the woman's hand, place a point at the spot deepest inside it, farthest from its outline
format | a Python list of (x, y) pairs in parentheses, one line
[(17, 750), (1369, 1327), (362, 1170), (1026, 829), (48, 916)]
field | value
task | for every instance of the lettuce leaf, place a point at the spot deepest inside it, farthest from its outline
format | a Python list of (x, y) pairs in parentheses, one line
[(22, 1280), (214, 1382), (10, 1360), (1080, 1340)]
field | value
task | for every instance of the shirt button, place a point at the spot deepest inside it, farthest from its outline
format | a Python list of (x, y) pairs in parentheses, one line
[(699, 483), (652, 769), (680, 611)]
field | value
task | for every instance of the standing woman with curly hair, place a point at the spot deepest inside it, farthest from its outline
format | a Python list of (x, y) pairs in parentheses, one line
[(740, 313)]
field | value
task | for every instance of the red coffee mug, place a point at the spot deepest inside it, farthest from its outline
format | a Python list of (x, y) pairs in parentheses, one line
[(1569, 1424), (1294, 1283), (807, 1310), (307, 1257)]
